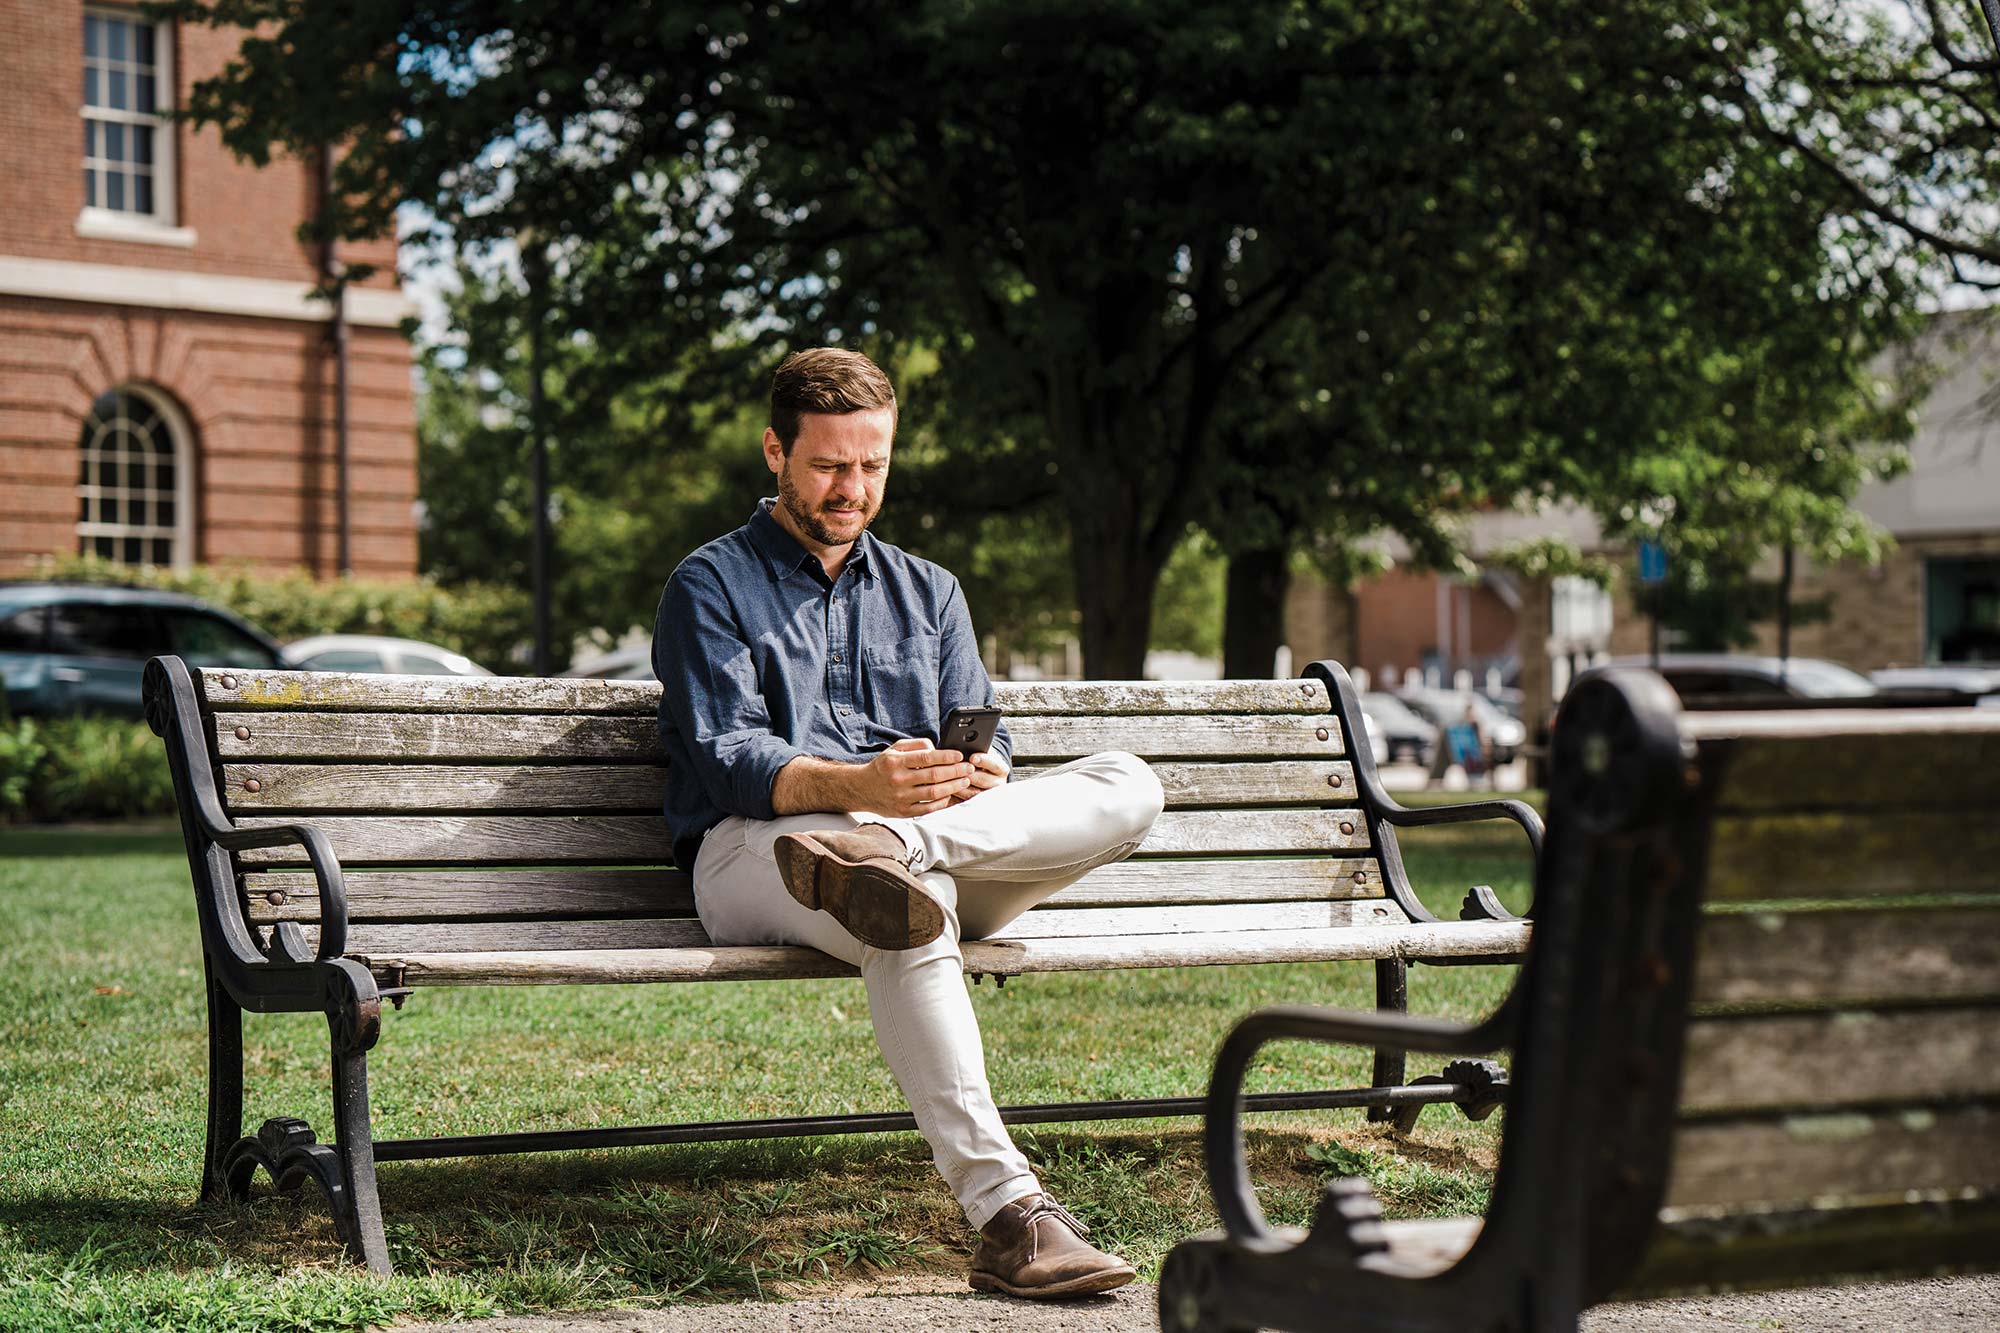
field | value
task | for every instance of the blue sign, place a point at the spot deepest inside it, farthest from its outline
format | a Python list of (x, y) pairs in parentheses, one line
[(1652, 562)]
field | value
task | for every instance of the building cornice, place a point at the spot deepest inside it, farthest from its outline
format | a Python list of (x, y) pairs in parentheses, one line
[(211, 293)]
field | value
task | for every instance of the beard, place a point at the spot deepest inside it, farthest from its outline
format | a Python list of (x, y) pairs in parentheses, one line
[(814, 522)]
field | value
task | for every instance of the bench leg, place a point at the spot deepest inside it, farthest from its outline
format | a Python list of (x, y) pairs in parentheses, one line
[(286, 1147), (225, 1087), (1392, 995)]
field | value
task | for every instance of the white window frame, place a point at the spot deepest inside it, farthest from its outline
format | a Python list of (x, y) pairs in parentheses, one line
[(161, 226), (180, 442)]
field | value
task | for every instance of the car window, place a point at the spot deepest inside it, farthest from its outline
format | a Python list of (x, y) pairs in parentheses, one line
[(22, 632), (206, 640), (90, 629), (423, 664), (345, 659), (1826, 680)]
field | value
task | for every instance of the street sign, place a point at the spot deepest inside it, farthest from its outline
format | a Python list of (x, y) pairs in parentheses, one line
[(1652, 562)]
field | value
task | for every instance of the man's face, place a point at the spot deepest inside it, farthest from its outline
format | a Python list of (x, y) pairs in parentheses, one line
[(830, 486)]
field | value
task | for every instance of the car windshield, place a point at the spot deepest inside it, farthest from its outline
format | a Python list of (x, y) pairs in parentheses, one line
[(1826, 680), (1391, 711)]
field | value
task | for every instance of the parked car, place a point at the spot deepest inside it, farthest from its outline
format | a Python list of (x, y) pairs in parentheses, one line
[(624, 664), (1410, 739), (82, 648), (1732, 680), (1976, 685), (375, 652), (1441, 708)]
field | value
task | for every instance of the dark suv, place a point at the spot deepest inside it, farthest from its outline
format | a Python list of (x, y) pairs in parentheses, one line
[(82, 648)]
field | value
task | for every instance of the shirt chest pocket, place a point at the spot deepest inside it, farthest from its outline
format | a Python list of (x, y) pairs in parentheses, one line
[(901, 680)]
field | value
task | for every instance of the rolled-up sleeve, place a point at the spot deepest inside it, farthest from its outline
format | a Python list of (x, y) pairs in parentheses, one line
[(962, 678), (712, 715)]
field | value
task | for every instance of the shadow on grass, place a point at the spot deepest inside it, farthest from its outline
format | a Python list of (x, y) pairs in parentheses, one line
[(133, 837)]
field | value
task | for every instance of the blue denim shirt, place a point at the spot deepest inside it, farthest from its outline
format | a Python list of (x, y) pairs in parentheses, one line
[(762, 659)]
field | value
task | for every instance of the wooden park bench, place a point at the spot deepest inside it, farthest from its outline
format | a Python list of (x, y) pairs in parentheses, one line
[(359, 837), (1756, 1041)]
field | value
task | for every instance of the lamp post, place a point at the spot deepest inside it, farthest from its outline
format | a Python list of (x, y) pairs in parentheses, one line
[(535, 270)]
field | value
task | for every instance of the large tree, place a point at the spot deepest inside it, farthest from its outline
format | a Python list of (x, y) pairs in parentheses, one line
[(1581, 231)]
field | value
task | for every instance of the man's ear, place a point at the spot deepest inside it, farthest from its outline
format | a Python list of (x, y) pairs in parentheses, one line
[(774, 451)]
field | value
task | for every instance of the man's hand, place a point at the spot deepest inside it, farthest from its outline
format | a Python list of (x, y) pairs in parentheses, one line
[(913, 777), (989, 770)]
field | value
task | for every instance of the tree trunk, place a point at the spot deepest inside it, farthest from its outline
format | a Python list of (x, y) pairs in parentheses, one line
[(1253, 618), (1115, 582)]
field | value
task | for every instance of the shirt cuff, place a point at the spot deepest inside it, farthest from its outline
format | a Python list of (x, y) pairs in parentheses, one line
[(757, 773)]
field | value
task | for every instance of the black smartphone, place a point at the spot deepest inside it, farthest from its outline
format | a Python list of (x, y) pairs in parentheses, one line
[(969, 730)]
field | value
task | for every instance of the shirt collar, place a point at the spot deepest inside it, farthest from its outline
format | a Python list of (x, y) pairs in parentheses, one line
[(783, 554)]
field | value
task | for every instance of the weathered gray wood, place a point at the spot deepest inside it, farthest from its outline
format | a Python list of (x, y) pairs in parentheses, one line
[(1953, 767), (542, 737), (332, 691), (338, 691), (1849, 854), (1424, 1247), (612, 839), (999, 957), (552, 788), (1280, 782), (1125, 923), (444, 895), (1849, 957), (1849, 1058), (541, 788), (1702, 1249), (1021, 698), (1305, 735), (1842, 1154), (1054, 922), (635, 739), (458, 840)]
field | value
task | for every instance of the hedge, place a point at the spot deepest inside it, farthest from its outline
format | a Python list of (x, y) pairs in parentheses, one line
[(82, 768)]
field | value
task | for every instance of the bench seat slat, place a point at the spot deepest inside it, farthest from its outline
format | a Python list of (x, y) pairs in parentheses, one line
[(1852, 1155), (686, 932), (444, 895), (1114, 697), (1849, 957), (1003, 957), (561, 788), (635, 739), (1854, 854), (609, 839), (1851, 1058)]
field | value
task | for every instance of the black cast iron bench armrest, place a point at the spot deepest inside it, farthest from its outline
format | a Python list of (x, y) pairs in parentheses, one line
[(1222, 1145), (173, 711), (1480, 903)]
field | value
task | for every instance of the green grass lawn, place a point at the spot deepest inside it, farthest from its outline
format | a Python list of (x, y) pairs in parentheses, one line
[(102, 1091)]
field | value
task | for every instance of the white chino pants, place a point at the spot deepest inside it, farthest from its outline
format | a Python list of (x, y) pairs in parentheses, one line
[(987, 860)]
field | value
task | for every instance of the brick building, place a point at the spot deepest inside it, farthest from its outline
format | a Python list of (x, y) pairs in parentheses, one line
[(169, 390)]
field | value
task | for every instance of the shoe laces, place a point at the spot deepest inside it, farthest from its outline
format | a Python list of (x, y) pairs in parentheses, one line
[(1048, 1207)]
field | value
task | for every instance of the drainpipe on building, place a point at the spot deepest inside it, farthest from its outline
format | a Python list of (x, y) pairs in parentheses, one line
[(330, 274)]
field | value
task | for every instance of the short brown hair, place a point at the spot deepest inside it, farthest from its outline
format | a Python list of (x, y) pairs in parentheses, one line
[(829, 380)]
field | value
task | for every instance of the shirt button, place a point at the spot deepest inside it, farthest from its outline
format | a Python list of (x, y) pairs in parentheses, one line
[(836, 659), (843, 710)]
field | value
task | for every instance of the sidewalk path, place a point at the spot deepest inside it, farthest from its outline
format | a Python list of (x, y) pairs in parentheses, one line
[(1955, 1305)]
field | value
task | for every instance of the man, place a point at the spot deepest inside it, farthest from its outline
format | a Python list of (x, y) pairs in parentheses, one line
[(807, 668)]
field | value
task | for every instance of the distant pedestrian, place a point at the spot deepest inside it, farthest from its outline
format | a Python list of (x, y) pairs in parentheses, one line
[(1465, 742)]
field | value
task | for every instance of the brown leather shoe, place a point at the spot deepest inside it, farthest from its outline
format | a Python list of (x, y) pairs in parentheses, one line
[(1034, 1248), (861, 878)]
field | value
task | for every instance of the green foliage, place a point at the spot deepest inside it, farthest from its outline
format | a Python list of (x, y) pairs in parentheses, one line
[(485, 621), (1551, 558), (1188, 610), (1291, 271), (82, 768)]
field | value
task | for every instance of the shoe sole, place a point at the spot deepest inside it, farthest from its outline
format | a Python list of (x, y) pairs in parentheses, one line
[(874, 904), (1090, 1284)]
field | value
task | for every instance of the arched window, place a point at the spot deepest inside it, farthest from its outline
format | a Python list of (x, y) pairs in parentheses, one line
[(133, 488)]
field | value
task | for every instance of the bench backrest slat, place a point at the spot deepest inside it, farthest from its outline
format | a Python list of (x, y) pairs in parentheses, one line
[(515, 800)]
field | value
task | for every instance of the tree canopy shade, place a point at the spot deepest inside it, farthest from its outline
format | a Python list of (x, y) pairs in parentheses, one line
[(1288, 269)]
